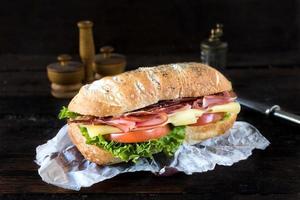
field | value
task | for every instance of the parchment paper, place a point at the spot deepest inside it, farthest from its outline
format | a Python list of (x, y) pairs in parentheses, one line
[(61, 164)]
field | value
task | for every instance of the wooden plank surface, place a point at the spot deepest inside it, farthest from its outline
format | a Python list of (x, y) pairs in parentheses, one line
[(28, 117)]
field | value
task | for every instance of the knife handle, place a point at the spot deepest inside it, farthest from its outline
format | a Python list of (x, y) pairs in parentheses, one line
[(286, 115)]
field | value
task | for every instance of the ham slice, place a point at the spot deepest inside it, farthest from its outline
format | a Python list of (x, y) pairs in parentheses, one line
[(133, 121), (146, 119), (171, 109), (212, 100), (157, 114), (157, 120), (208, 118), (124, 125)]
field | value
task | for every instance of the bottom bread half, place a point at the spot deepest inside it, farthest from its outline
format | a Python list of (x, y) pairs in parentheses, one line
[(194, 134)]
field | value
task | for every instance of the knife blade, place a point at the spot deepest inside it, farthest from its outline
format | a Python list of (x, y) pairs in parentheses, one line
[(274, 110)]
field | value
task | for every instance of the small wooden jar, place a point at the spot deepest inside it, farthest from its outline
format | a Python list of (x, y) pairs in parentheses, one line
[(66, 76), (108, 63)]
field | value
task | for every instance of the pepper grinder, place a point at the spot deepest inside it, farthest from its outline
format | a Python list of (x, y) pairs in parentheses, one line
[(87, 48), (213, 50)]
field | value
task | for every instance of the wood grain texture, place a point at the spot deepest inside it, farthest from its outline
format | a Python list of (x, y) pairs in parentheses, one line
[(28, 117)]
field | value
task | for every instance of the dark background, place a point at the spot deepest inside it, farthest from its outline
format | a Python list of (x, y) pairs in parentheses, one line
[(252, 27)]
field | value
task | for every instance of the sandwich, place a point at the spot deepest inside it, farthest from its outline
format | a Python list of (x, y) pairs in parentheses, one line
[(150, 110)]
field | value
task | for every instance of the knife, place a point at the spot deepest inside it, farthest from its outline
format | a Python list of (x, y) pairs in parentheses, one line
[(270, 110)]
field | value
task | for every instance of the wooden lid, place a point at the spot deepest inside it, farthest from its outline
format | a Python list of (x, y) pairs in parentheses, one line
[(65, 64), (107, 57)]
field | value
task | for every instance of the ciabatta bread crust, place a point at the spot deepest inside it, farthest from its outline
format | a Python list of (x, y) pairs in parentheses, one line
[(115, 95), (90, 152), (194, 134)]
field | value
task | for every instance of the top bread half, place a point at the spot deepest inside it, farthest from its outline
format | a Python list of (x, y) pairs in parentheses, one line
[(132, 90)]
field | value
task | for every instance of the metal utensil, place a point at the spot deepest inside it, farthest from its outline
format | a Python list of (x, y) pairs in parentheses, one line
[(270, 110)]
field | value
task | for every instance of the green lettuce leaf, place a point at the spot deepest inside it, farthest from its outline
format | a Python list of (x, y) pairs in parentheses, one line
[(65, 113), (132, 152), (226, 116)]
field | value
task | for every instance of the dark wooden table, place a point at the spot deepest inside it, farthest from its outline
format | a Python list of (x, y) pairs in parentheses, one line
[(28, 118)]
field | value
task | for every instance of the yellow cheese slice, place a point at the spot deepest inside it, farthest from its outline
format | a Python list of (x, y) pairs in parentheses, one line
[(232, 107), (191, 116), (185, 117), (94, 130)]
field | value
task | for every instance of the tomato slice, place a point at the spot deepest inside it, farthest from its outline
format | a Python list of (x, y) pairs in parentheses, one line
[(208, 118), (139, 136)]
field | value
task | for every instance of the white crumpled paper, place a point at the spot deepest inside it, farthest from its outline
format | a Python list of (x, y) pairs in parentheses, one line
[(61, 164)]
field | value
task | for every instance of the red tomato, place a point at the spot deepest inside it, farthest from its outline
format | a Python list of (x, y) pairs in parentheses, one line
[(139, 136), (208, 118)]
